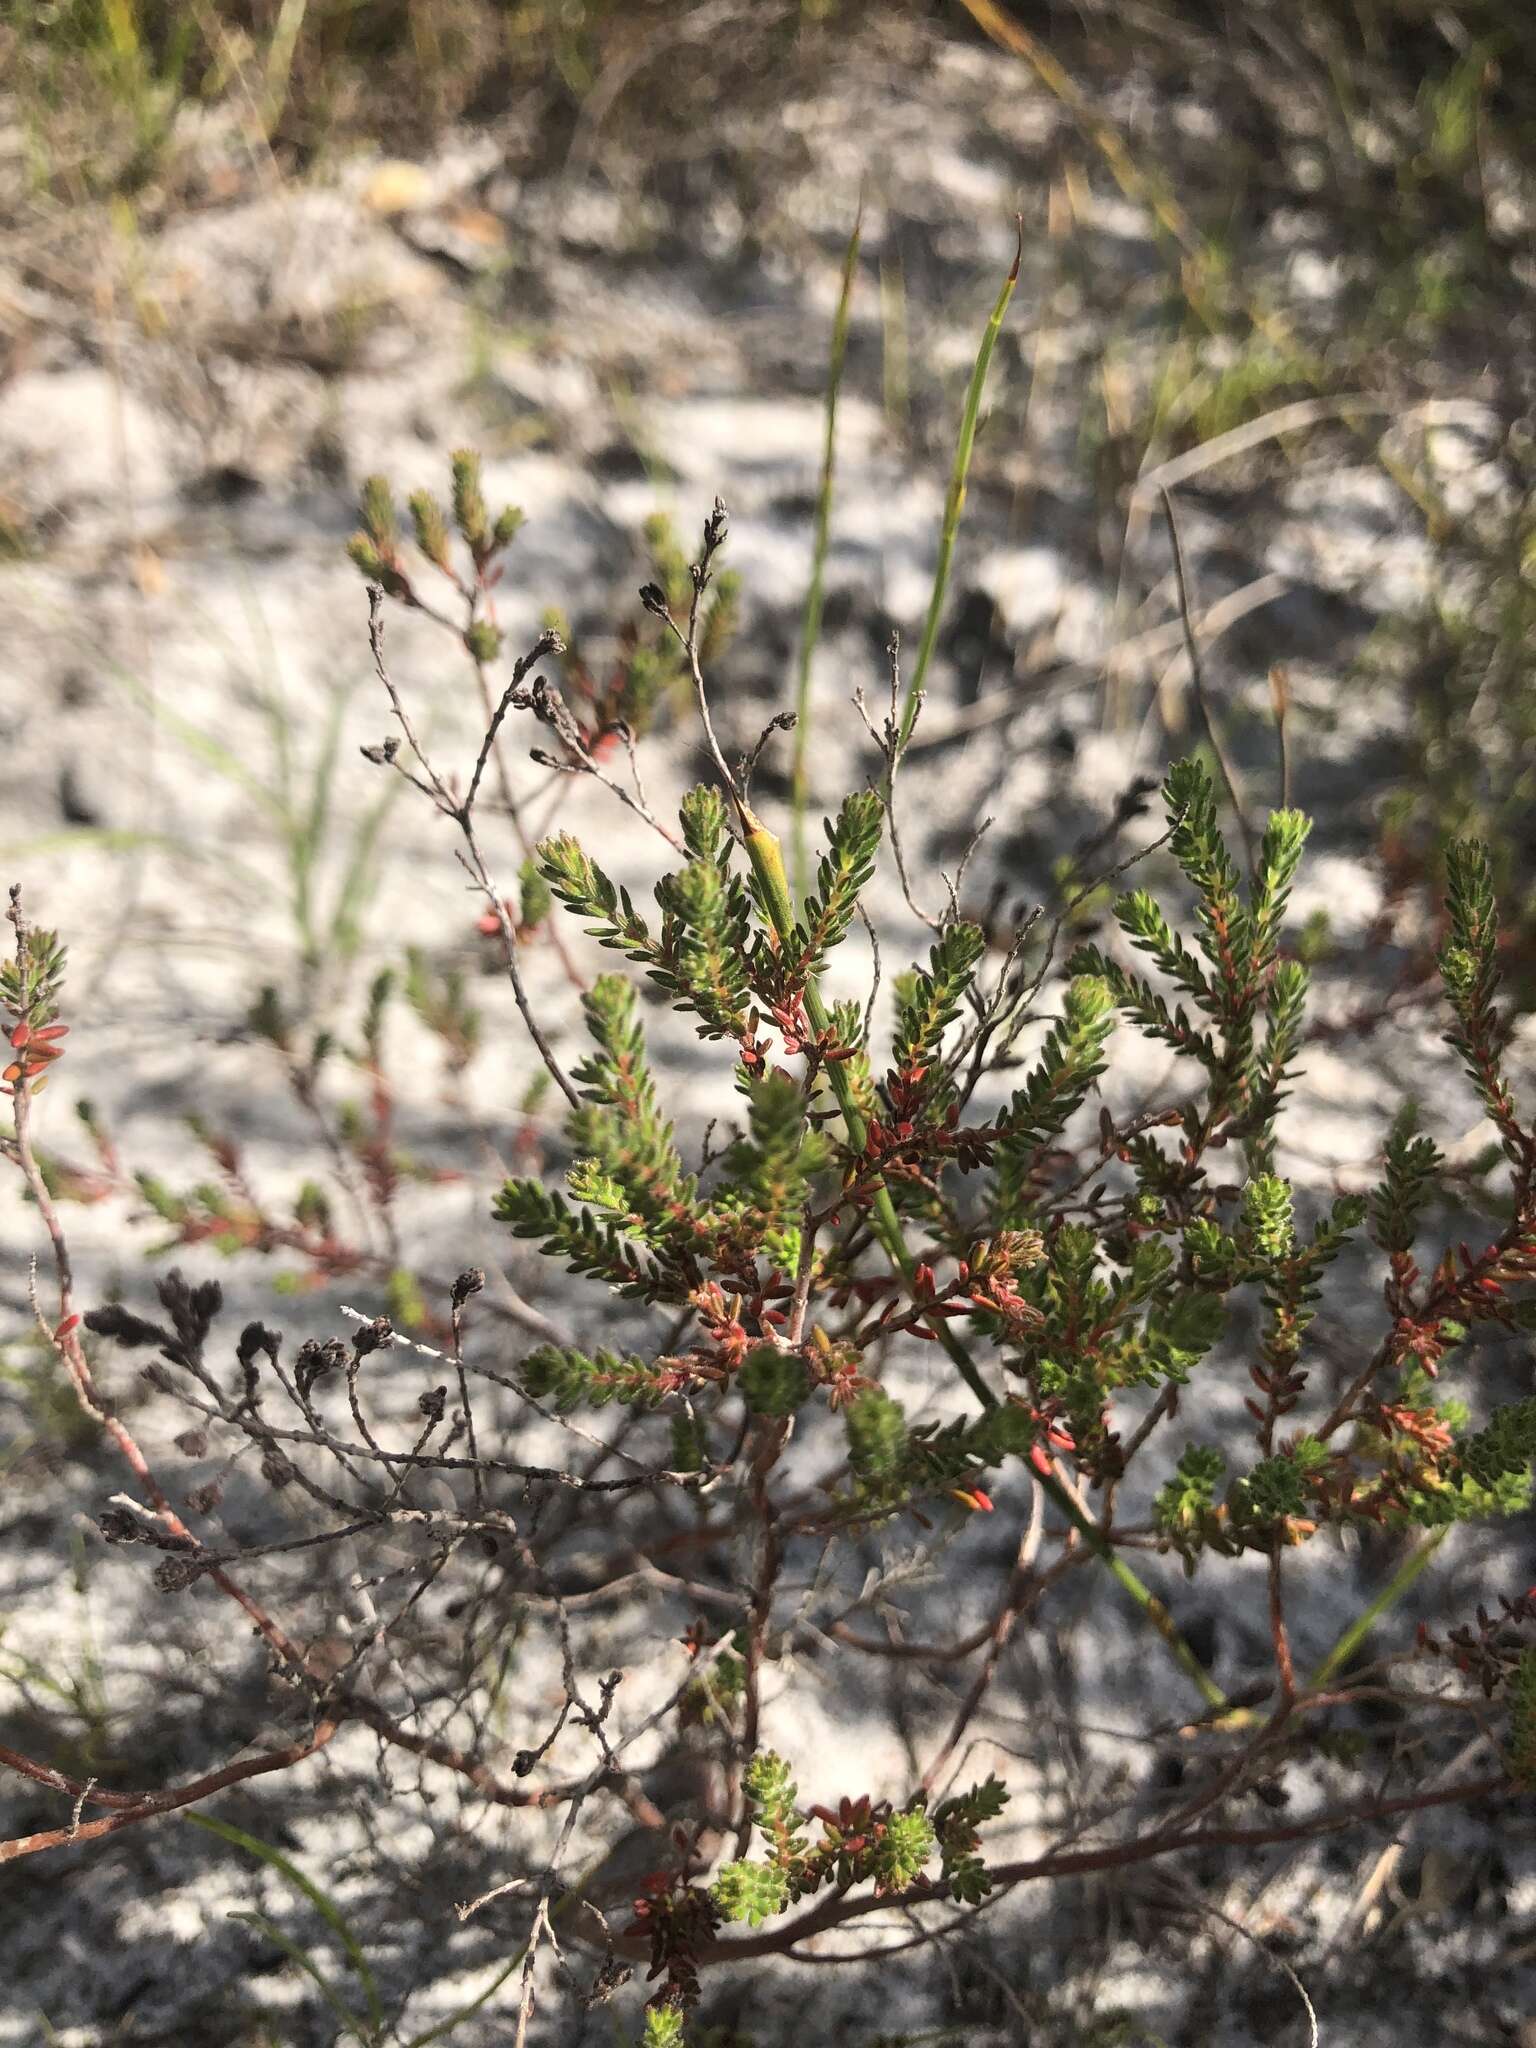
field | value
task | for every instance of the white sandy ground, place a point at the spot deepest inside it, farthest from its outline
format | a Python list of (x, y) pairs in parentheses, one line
[(152, 615)]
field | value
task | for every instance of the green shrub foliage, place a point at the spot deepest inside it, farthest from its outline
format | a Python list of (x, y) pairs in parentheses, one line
[(899, 1191)]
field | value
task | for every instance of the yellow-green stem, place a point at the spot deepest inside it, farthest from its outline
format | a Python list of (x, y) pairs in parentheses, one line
[(954, 500), (1388, 1597), (810, 629)]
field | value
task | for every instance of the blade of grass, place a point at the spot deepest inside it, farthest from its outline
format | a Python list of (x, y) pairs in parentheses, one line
[(323, 1904), (110, 839), (91, 1682), (307, 833), (1213, 736), (304, 798), (1422, 1556), (121, 23), (954, 502), (895, 388), (263, 665), (350, 2023), (202, 745), (810, 627), (1270, 426), (360, 878), (296, 796), (1280, 698), (445, 2027), (279, 64), (1134, 180)]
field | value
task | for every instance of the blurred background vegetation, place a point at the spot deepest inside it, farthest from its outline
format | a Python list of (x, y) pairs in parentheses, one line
[(1409, 124), (101, 82)]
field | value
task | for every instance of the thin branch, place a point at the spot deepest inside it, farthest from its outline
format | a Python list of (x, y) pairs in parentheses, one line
[(471, 855), (837, 1910), (151, 1805)]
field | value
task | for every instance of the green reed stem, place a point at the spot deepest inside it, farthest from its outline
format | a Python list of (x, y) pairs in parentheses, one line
[(1345, 1648), (810, 625), (954, 500)]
